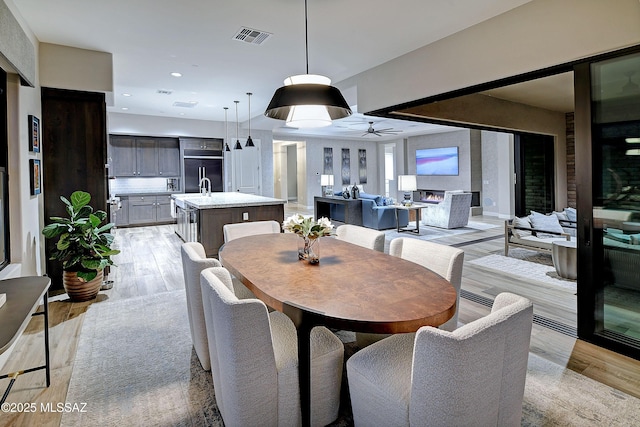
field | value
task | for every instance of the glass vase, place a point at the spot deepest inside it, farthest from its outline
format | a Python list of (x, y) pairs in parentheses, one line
[(309, 250)]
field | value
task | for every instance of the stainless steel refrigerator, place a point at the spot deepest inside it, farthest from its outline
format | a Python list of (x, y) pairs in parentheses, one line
[(203, 163)]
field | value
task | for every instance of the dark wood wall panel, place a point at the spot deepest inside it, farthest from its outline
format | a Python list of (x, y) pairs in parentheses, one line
[(74, 147)]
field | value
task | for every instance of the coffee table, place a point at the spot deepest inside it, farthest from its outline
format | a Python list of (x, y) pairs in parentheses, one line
[(352, 288)]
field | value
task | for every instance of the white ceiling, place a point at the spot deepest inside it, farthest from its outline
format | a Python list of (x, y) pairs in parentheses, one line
[(150, 39)]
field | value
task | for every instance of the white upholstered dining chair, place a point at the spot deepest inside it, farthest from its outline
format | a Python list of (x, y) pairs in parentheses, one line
[(444, 260), (194, 260), (254, 360), (244, 229), (473, 376), (361, 236)]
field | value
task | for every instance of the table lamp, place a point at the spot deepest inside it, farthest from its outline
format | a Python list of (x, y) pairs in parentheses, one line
[(408, 184), (327, 185)]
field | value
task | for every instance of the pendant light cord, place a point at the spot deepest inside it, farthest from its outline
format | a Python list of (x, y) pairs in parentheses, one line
[(306, 36), (237, 137)]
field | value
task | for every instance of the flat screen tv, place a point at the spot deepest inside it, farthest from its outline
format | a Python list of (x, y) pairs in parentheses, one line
[(437, 161)]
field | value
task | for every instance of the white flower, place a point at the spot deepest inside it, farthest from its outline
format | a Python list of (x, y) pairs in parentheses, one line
[(325, 223)]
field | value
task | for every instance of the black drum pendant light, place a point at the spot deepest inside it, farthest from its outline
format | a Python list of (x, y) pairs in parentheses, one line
[(226, 131), (249, 140), (307, 100), (238, 146)]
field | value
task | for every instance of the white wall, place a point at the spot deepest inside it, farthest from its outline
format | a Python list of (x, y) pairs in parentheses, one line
[(497, 174), (534, 36), (314, 155), (27, 250), (65, 67), (458, 138)]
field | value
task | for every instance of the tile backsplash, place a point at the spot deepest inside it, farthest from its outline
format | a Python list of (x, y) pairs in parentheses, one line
[(142, 185)]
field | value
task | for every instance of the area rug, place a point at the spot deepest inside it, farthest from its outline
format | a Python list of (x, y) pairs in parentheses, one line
[(523, 263), (135, 366), (433, 233)]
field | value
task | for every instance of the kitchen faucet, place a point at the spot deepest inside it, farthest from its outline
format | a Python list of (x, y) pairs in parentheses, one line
[(207, 186)]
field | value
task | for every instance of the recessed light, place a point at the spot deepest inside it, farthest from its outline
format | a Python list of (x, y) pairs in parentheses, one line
[(126, 94), (182, 114), (125, 108), (176, 74)]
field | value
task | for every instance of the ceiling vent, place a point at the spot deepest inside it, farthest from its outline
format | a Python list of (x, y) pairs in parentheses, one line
[(251, 36), (164, 92), (189, 104)]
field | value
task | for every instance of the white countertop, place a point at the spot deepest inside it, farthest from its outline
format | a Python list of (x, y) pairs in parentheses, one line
[(226, 200)]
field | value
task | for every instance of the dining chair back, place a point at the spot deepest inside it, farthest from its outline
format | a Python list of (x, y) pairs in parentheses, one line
[(243, 229), (474, 375), (194, 260), (361, 236), (441, 259), (255, 371), (444, 260)]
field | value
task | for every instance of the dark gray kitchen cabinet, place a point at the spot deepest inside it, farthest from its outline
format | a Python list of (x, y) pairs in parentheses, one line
[(122, 158), (122, 214), (163, 209), (168, 157), (142, 210), (144, 157), (149, 209)]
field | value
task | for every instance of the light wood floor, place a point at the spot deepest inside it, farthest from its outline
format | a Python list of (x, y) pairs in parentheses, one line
[(150, 263)]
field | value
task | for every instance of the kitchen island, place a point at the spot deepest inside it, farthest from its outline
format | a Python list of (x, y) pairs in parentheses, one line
[(211, 213)]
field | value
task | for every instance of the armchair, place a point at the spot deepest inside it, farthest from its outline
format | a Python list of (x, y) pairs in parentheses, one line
[(452, 212)]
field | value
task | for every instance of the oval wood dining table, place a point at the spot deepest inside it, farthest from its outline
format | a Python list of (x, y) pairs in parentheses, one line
[(352, 288)]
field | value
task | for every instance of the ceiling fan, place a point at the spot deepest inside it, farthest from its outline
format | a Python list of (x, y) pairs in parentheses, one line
[(380, 132)]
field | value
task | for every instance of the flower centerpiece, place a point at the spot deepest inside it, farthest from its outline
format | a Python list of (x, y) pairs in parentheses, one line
[(310, 231)]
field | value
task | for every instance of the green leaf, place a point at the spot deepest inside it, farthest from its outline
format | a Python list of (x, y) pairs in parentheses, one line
[(95, 221), (80, 199), (87, 275), (53, 230)]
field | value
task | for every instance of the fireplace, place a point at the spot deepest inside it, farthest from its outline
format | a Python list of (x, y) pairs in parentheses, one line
[(437, 196), (428, 196)]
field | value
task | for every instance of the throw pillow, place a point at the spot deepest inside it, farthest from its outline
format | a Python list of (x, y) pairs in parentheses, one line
[(544, 222), (375, 197), (522, 223), (571, 214), (562, 216)]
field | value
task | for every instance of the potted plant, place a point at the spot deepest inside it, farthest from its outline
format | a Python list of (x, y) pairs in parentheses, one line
[(83, 247)]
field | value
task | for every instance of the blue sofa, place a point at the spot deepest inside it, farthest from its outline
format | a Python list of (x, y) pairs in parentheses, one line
[(381, 217), (374, 214)]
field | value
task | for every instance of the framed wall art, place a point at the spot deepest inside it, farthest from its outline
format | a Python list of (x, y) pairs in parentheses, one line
[(35, 173), (346, 166), (34, 134)]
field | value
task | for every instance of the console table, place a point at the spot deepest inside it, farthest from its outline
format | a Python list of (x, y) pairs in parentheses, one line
[(352, 208), (23, 298)]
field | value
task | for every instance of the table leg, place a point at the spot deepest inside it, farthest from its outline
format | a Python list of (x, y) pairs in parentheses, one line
[(304, 320), (304, 372), (46, 338), (397, 221)]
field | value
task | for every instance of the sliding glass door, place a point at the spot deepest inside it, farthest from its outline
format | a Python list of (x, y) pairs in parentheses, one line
[(612, 235)]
